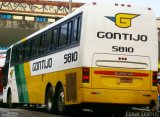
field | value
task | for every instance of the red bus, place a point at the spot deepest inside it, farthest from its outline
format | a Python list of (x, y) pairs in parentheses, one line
[(2, 61), (1, 80)]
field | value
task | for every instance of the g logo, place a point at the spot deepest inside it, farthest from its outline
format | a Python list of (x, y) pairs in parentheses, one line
[(123, 20)]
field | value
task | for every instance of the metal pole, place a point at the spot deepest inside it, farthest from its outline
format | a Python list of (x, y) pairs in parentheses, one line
[(70, 6)]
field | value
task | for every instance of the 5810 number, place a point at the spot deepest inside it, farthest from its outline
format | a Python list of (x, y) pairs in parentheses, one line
[(70, 57), (122, 49)]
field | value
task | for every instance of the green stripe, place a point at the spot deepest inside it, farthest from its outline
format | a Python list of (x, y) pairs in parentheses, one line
[(21, 84)]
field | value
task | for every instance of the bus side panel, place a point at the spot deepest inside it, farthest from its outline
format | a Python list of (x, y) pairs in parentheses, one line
[(21, 83), (34, 86)]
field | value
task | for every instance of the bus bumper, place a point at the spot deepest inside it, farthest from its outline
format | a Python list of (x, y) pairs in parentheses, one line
[(118, 96)]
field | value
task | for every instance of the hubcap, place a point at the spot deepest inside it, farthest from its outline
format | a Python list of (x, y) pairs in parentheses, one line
[(61, 101)]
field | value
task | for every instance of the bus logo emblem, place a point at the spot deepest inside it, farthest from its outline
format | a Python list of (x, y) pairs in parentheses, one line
[(123, 20)]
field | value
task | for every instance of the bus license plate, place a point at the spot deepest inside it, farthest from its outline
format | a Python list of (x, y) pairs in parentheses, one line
[(126, 80)]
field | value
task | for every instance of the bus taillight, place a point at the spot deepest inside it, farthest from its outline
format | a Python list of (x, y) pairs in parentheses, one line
[(154, 80), (85, 75)]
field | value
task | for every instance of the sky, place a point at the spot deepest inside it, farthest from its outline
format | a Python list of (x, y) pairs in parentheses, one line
[(154, 4)]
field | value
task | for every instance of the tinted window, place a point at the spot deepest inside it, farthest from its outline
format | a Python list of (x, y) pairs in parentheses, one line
[(79, 28), (54, 39), (27, 50), (63, 35), (42, 43), (48, 40), (69, 31), (35, 47), (76, 30), (20, 53)]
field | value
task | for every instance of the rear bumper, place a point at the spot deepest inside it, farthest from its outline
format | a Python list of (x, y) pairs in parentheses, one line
[(128, 97)]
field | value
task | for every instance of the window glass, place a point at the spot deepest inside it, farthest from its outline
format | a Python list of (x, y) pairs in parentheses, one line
[(48, 40), (42, 43), (35, 47), (63, 36), (27, 50), (20, 53), (54, 39), (76, 30), (69, 32), (79, 28)]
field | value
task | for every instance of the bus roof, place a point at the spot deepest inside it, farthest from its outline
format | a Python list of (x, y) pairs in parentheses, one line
[(79, 10)]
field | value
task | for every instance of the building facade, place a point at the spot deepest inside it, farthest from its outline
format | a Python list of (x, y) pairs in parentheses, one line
[(20, 18)]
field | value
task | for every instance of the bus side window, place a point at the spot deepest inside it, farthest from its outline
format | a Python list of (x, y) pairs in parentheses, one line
[(41, 44), (16, 55), (76, 30), (70, 25), (23, 51), (48, 40), (27, 50), (54, 39), (79, 28), (20, 53), (34, 45), (62, 41)]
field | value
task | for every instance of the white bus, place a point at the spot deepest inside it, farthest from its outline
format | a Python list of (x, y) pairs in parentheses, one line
[(104, 55)]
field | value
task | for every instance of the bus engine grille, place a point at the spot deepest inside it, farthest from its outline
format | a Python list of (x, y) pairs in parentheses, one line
[(71, 86)]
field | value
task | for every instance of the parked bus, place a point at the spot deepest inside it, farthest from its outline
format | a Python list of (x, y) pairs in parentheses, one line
[(1, 80), (2, 61), (101, 54)]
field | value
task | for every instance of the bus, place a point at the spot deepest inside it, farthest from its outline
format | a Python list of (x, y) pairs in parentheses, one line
[(2, 61), (1, 80), (101, 55)]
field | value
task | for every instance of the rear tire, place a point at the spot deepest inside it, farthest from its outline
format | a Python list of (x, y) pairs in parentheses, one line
[(50, 101), (62, 109)]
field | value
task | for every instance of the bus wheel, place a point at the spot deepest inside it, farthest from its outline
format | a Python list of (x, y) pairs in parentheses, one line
[(61, 101), (50, 101), (9, 99)]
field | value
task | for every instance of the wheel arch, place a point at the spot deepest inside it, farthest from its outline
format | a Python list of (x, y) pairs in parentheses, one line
[(47, 88), (58, 86), (55, 89)]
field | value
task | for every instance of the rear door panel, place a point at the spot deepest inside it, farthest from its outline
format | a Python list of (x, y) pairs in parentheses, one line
[(121, 72)]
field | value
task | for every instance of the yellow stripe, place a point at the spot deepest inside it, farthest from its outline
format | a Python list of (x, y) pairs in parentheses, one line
[(23, 40)]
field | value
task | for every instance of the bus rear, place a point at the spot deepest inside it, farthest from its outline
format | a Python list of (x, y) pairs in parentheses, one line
[(120, 51)]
